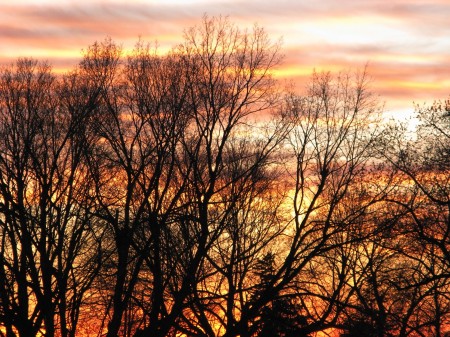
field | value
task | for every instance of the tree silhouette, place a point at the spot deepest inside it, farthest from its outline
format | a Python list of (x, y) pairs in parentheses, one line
[(187, 193), (48, 235), (282, 316), (421, 192)]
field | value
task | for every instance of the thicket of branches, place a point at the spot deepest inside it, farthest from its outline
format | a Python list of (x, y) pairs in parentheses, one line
[(189, 194)]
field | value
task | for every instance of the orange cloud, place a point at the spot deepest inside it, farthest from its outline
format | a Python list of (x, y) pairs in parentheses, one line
[(405, 42)]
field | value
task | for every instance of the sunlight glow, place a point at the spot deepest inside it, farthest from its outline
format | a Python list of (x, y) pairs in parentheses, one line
[(356, 30)]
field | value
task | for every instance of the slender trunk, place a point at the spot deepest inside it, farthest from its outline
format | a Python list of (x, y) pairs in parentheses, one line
[(62, 314), (46, 266), (157, 293), (119, 306)]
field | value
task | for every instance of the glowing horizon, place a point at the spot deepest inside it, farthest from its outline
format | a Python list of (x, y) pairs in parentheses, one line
[(404, 42)]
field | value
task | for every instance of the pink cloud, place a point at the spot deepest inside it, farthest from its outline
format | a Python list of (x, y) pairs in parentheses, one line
[(405, 42)]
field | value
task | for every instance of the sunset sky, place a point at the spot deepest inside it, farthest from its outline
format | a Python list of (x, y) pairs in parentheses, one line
[(405, 42)]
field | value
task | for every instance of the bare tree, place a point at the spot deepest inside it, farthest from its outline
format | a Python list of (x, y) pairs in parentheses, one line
[(331, 139), (228, 80), (48, 250), (138, 122), (247, 216), (420, 163)]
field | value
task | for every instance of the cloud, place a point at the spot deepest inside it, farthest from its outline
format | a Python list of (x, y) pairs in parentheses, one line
[(405, 42)]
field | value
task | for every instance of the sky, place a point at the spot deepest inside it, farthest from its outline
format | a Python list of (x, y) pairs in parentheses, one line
[(406, 43)]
